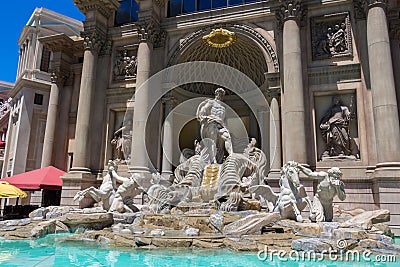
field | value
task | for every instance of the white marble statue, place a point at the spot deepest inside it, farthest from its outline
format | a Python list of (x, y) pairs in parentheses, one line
[(106, 192), (211, 114), (329, 186), (126, 192), (292, 198)]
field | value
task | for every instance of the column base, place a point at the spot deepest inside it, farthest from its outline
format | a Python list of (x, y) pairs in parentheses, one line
[(80, 169), (387, 170), (274, 174), (387, 184), (74, 182), (168, 175), (138, 169)]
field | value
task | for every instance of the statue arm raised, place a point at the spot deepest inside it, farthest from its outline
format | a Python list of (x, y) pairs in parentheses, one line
[(346, 113), (118, 178), (119, 130), (340, 191), (312, 174)]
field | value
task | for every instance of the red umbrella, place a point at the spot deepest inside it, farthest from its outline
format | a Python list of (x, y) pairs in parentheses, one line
[(44, 178)]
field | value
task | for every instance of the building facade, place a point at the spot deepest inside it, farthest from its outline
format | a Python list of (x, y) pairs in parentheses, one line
[(5, 107), (327, 73), (30, 96)]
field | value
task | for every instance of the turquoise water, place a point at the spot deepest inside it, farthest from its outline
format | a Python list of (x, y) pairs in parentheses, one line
[(52, 251)]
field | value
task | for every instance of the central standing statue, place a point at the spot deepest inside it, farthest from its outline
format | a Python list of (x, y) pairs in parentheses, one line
[(211, 114)]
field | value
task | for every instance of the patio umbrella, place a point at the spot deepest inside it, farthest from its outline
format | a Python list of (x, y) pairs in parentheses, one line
[(9, 191)]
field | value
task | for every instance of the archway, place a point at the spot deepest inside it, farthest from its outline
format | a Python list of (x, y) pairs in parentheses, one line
[(251, 54)]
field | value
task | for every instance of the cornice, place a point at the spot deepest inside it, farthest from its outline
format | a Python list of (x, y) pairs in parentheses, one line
[(59, 43), (104, 7), (334, 74)]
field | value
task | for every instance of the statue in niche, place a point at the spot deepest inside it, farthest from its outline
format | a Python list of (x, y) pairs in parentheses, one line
[(125, 66), (329, 186), (211, 114), (118, 142), (334, 127), (127, 137), (122, 142)]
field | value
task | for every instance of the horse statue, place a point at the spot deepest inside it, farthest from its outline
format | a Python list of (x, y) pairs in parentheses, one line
[(106, 192), (292, 198)]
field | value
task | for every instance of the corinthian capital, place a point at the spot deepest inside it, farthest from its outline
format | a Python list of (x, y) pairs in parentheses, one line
[(290, 10), (59, 76), (159, 3), (93, 40), (361, 7), (149, 31)]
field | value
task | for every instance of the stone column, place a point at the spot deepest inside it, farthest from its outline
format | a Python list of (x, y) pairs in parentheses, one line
[(92, 44), (32, 51), (275, 134), (294, 136), (384, 102), (253, 126), (98, 121), (140, 161), (57, 81), (25, 55), (20, 53), (167, 144)]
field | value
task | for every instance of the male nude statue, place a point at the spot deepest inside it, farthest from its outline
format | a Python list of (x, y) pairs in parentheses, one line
[(123, 199), (211, 114), (329, 186)]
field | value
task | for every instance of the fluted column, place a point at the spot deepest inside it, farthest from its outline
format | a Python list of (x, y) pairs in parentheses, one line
[(92, 44), (57, 81), (384, 102), (140, 161), (293, 110), (20, 53), (275, 133), (167, 144)]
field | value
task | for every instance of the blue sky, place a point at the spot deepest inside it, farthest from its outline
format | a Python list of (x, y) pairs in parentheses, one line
[(14, 16)]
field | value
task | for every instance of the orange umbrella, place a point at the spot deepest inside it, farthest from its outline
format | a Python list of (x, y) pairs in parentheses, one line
[(9, 191)]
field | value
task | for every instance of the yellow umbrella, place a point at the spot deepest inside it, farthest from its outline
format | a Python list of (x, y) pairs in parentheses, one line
[(9, 191)]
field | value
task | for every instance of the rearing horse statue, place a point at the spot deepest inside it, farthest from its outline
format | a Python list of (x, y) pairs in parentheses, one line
[(292, 198)]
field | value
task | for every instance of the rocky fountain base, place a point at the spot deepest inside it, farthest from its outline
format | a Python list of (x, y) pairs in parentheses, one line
[(205, 227)]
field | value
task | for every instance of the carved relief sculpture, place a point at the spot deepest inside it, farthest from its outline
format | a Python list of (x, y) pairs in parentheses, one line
[(118, 142), (331, 36), (125, 66)]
